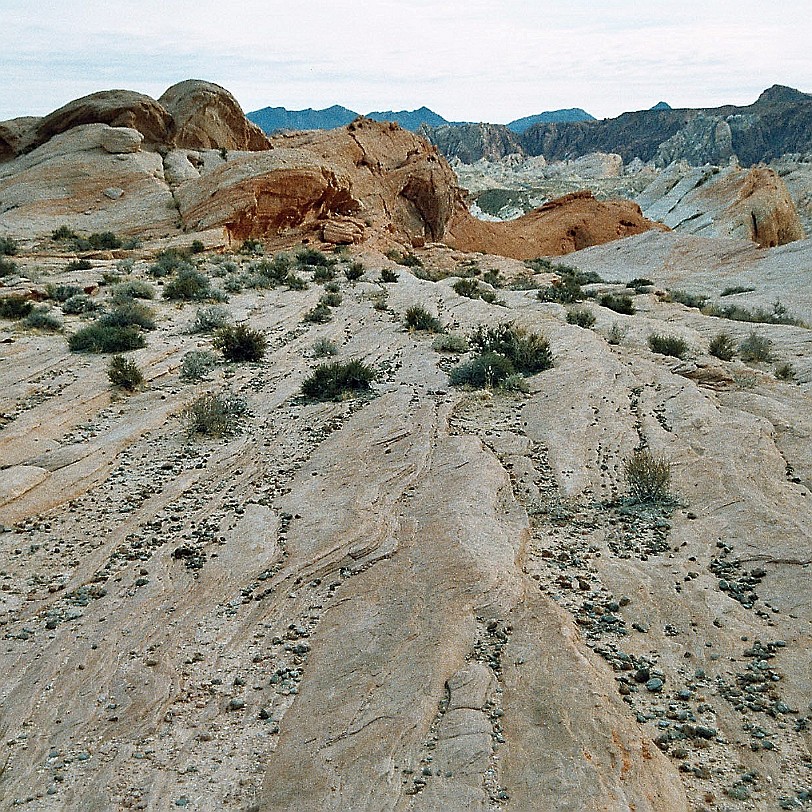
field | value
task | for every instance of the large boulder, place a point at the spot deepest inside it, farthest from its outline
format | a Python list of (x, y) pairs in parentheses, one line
[(207, 116), (14, 133)]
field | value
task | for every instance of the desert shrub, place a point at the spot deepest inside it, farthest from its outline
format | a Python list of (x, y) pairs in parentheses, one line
[(493, 278), (640, 284), (722, 346), (106, 240), (388, 276), (565, 290), (785, 371), (128, 312), (7, 267), (197, 247), (324, 347), (515, 383), (407, 260), (196, 365), (312, 257), (63, 233), (488, 369), (668, 345), (338, 380), (617, 332), (354, 271), (15, 307), (79, 265), (618, 303), (648, 477), (188, 285), (43, 318), (778, 314), (418, 318), (100, 337), (8, 247), (450, 343), (80, 304), (251, 247), (323, 273), (61, 293), (529, 353), (215, 415), (124, 373), (168, 262), (125, 265), (696, 300), (380, 301), (234, 284), (210, 318), (331, 299), (320, 314), (241, 343), (756, 348), (467, 287), (295, 282), (581, 316), (539, 265), (732, 291), (134, 289)]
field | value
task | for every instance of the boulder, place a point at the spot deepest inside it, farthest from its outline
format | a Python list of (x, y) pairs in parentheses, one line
[(13, 133), (207, 116)]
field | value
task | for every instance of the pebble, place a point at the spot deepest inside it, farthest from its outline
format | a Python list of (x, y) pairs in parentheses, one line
[(655, 685)]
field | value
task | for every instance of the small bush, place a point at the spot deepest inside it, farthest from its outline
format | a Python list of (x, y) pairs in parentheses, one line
[(128, 312), (309, 257), (756, 348), (354, 271), (63, 233), (251, 247), (197, 247), (617, 332), (380, 301), (78, 265), (732, 291), (103, 241), (241, 343), (61, 293), (320, 314), (668, 345), (196, 365), (528, 352), (722, 346), (418, 318), (493, 278), (640, 284), (79, 305), (565, 290), (134, 289), (124, 373), (7, 267), (15, 307), (785, 372), (323, 347), (407, 260), (388, 276), (99, 337), (489, 369), (581, 316), (43, 318), (515, 383), (331, 299), (450, 343), (467, 287), (620, 304), (322, 274), (778, 314), (683, 297), (168, 262), (8, 247), (295, 282), (188, 285), (337, 380), (648, 477), (215, 415), (211, 318)]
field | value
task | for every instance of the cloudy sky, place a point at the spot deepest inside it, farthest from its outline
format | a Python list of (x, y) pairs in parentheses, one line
[(472, 60)]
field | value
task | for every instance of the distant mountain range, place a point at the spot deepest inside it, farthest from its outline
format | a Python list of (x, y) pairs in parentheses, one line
[(275, 119)]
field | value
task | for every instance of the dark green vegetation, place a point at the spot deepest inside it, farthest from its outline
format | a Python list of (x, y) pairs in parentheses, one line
[(241, 343), (722, 346), (215, 415), (15, 307), (618, 303), (418, 318), (124, 373), (338, 380), (99, 337), (581, 316), (756, 348), (668, 345)]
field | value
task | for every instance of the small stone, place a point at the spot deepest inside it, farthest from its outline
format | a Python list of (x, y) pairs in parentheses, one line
[(236, 704), (655, 685)]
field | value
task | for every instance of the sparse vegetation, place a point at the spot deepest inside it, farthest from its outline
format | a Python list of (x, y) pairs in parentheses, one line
[(640, 284), (124, 373), (188, 285), (197, 364), (63, 233), (528, 352), (450, 343), (722, 346), (407, 260), (323, 273), (486, 370), (210, 318), (129, 312), (732, 291), (7, 267), (15, 307), (197, 247), (80, 304), (648, 477), (324, 347), (388, 276), (104, 241), (44, 318), (79, 265), (778, 314), (354, 271), (8, 246), (168, 262), (471, 289), (320, 314), (331, 298), (100, 337), (565, 290), (241, 343), (338, 380), (61, 293), (785, 371), (133, 289), (683, 297), (215, 415), (251, 247), (581, 316), (619, 303), (756, 348), (311, 257), (418, 318), (668, 345), (617, 332)]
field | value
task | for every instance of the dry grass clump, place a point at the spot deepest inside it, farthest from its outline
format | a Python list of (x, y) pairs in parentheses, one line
[(648, 476)]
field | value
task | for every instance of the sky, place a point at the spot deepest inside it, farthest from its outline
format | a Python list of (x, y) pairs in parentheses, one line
[(468, 60)]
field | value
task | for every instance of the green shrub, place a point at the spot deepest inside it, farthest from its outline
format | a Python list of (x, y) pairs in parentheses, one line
[(197, 247), (640, 284), (251, 247), (215, 415), (124, 373), (450, 343), (722, 346), (15, 307), (407, 260), (778, 314), (418, 318), (380, 301), (785, 371), (63, 233), (134, 289), (331, 299), (338, 380), (354, 271), (8, 247), (529, 353), (295, 282), (617, 332), (324, 347), (103, 241), (467, 287), (322, 274), (581, 316), (43, 318), (320, 314), (310, 257), (241, 343), (668, 345), (648, 477), (168, 262), (756, 348), (196, 365), (618, 303), (683, 297), (211, 318), (78, 265), (493, 278), (99, 337), (7, 267), (388, 276), (128, 312), (61, 293), (732, 291), (188, 285), (565, 290), (515, 383), (488, 369), (80, 304), (275, 270)]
